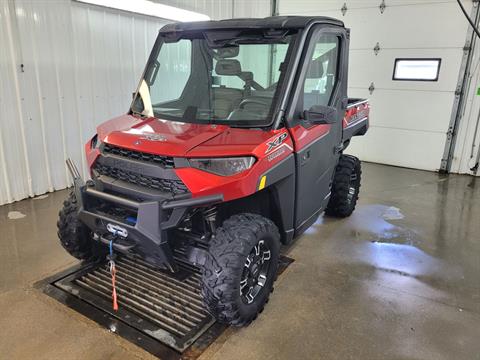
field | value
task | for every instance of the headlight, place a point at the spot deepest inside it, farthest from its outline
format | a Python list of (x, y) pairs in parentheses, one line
[(224, 166)]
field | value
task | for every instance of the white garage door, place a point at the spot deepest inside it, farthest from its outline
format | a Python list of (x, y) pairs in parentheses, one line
[(409, 118)]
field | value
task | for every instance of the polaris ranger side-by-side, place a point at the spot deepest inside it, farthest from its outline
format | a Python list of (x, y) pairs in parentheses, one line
[(233, 145)]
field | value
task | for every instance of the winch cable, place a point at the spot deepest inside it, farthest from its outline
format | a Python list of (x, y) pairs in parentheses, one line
[(468, 18), (113, 270)]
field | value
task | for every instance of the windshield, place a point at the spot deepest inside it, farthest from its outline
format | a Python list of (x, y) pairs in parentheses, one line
[(214, 79)]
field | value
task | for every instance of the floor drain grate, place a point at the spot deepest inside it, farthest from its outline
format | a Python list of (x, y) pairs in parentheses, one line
[(159, 312), (167, 309)]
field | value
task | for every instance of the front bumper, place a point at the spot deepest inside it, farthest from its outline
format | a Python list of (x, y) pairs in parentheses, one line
[(137, 225)]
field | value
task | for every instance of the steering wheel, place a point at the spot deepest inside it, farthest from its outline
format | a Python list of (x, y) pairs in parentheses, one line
[(250, 101)]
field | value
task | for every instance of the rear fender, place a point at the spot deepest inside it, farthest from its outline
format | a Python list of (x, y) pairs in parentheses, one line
[(356, 120)]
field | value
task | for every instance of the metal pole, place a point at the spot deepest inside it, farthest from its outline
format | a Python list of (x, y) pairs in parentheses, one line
[(273, 50), (474, 169)]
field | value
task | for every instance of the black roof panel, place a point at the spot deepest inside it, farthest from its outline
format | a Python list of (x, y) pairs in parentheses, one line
[(273, 22)]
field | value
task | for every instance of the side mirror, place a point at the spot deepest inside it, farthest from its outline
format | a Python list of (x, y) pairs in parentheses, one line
[(320, 114)]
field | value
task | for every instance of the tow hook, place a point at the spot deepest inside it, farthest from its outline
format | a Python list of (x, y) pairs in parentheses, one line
[(123, 248)]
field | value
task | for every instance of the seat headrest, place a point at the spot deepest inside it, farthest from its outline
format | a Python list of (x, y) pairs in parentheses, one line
[(228, 67), (226, 52), (315, 69)]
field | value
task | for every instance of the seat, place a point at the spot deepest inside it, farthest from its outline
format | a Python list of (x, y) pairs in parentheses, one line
[(226, 99)]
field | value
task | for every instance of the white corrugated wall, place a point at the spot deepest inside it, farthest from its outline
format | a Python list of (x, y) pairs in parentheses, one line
[(64, 68), (224, 9)]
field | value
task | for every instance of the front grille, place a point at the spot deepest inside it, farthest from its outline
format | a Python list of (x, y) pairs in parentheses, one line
[(164, 161), (175, 187)]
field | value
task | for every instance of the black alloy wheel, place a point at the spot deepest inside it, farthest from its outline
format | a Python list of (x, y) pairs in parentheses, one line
[(255, 273)]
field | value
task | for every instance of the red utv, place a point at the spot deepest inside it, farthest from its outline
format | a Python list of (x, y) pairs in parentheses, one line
[(233, 145)]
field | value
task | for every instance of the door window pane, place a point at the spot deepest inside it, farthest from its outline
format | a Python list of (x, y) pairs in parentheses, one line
[(321, 75)]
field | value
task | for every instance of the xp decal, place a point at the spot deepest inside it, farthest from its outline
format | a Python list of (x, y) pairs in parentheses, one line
[(276, 142)]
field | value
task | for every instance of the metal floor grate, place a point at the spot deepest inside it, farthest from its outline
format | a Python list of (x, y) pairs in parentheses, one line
[(159, 311), (164, 307), (173, 305)]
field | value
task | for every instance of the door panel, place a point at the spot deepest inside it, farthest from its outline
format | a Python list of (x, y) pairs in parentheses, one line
[(321, 81), (314, 164)]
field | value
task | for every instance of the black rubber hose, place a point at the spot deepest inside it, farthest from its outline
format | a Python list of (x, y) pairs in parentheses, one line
[(468, 18)]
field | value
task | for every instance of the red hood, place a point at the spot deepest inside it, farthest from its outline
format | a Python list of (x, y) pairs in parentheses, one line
[(173, 138)]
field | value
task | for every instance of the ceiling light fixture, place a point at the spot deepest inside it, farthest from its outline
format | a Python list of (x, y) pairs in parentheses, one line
[(150, 8)]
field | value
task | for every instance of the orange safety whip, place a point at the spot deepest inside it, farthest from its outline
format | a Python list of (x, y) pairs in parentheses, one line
[(113, 271)]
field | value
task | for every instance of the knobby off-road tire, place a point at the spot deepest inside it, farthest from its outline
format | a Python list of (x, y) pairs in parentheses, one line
[(74, 236), (345, 187), (240, 244)]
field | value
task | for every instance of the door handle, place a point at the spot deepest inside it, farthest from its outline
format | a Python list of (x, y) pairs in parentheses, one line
[(305, 157)]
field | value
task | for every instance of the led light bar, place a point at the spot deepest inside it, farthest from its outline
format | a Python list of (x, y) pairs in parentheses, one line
[(149, 8)]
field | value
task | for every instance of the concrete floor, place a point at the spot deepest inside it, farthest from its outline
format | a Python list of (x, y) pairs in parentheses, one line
[(399, 279)]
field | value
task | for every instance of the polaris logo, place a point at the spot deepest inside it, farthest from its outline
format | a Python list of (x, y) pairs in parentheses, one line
[(117, 230), (154, 137)]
